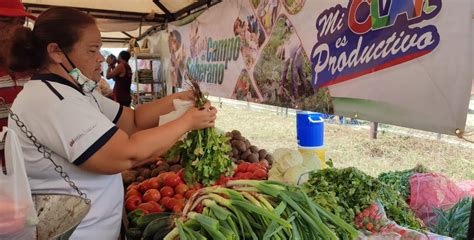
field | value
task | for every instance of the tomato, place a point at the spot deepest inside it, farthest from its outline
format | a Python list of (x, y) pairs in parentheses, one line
[(132, 186), (181, 189), (189, 193), (197, 186), (167, 191), (164, 201), (143, 186), (152, 195), (243, 167), (132, 202), (154, 183), (161, 177), (147, 207), (260, 174), (172, 180), (171, 203), (247, 175), (132, 192), (178, 208), (178, 196), (157, 208), (252, 167)]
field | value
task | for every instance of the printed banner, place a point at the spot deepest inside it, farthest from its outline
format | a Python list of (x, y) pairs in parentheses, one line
[(401, 62)]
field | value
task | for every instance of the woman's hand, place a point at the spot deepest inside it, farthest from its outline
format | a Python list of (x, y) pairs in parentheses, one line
[(186, 96), (198, 119)]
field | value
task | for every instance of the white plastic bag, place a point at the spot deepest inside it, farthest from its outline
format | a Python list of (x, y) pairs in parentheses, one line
[(180, 107), (17, 212)]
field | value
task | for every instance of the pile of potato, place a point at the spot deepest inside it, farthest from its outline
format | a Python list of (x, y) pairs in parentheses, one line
[(243, 151), (142, 173)]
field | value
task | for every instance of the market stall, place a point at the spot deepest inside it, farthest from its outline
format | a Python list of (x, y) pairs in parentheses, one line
[(215, 184)]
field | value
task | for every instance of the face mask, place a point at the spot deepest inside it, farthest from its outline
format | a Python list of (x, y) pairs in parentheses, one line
[(86, 84)]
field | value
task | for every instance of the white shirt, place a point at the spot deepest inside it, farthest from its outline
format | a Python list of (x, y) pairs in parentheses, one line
[(74, 125)]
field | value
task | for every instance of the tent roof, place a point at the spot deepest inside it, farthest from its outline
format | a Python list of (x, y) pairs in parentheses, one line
[(120, 20)]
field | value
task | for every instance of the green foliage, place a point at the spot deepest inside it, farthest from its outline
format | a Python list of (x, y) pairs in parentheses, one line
[(400, 180), (455, 221), (347, 192)]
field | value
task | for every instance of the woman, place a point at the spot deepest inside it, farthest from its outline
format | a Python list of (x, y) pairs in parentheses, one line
[(122, 75), (91, 137)]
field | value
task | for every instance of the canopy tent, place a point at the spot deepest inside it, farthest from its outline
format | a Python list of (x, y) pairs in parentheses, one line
[(121, 20)]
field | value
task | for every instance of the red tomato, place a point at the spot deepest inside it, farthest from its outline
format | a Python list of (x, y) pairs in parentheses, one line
[(178, 196), (157, 208), (167, 191), (171, 203), (154, 183), (243, 167), (164, 201), (132, 186), (247, 175), (260, 174), (189, 193), (172, 180), (145, 185), (178, 208), (132, 192), (152, 195), (132, 202), (252, 167), (147, 207), (181, 189), (161, 177)]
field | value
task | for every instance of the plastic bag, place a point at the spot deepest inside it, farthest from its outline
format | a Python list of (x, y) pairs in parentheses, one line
[(180, 107), (373, 223), (467, 186), (430, 191), (17, 212)]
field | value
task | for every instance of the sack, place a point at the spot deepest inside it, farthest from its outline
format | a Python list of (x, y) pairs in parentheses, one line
[(17, 212), (431, 190)]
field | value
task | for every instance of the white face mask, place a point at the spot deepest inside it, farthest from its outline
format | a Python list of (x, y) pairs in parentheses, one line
[(87, 85)]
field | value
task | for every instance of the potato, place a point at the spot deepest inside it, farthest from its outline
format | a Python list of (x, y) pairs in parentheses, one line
[(175, 168), (155, 172), (247, 143), (253, 158), (146, 173), (236, 133), (269, 158), (128, 177), (235, 152), (254, 149), (152, 166), (164, 166), (246, 154), (140, 179), (241, 146), (229, 135), (262, 154)]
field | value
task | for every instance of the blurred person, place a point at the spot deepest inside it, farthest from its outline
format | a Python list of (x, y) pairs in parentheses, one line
[(122, 75)]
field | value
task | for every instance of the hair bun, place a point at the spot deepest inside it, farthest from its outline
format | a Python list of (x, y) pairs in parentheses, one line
[(22, 51)]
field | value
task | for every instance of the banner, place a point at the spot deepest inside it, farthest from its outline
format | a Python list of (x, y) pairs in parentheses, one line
[(401, 62)]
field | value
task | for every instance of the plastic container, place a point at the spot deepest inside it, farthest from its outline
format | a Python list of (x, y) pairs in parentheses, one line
[(310, 134), (309, 129)]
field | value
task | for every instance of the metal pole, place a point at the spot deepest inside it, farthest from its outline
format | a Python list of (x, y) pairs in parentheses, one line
[(373, 130)]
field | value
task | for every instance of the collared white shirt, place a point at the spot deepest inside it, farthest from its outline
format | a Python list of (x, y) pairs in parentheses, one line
[(73, 125)]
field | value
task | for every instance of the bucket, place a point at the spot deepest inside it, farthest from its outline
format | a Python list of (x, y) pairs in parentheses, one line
[(319, 152), (309, 129)]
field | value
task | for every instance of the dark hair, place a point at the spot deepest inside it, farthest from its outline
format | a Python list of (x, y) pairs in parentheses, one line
[(124, 55), (27, 49), (113, 57)]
